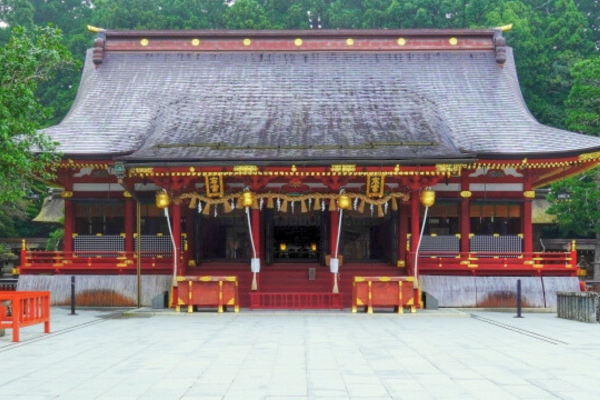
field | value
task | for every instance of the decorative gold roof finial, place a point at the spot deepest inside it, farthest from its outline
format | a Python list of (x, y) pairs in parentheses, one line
[(94, 29), (505, 28)]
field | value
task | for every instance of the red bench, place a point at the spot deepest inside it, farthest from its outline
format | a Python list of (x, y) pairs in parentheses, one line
[(21, 309)]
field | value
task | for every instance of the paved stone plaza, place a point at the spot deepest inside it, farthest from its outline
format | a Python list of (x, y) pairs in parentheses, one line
[(302, 355)]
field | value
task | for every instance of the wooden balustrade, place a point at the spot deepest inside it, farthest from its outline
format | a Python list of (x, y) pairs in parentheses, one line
[(207, 291), (384, 291), (21, 309), (86, 262), (295, 301), (494, 263)]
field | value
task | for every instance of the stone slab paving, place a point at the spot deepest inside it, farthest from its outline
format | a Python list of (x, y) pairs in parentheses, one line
[(302, 355)]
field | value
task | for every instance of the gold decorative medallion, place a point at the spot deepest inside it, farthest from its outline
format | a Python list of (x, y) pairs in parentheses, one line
[(144, 42), (147, 171), (465, 194), (453, 41), (350, 41), (214, 185), (126, 194), (529, 194), (195, 42), (245, 169), (298, 42), (589, 156), (66, 194), (401, 41), (449, 169), (343, 168), (247, 42)]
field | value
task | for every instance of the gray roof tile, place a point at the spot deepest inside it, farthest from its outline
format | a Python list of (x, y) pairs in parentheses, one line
[(243, 105)]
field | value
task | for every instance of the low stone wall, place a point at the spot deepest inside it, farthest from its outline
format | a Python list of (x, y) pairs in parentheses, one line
[(578, 306), (496, 291), (97, 290)]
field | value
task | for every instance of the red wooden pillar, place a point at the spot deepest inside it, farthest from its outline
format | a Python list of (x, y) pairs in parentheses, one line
[(189, 230), (69, 224), (176, 227), (465, 215), (403, 231), (414, 226), (334, 220), (526, 219), (129, 223)]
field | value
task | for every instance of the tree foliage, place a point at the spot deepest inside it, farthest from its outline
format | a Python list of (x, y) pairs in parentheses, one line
[(582, 213), (28, 58)]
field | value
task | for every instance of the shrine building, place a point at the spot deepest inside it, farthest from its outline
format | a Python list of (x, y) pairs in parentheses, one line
[(301, 162)]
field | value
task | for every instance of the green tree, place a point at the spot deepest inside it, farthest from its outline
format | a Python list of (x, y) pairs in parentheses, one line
[(581, 215), (247, 14), (26, 154)]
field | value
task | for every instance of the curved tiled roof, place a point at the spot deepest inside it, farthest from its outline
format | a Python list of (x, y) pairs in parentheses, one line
[(260, 105)]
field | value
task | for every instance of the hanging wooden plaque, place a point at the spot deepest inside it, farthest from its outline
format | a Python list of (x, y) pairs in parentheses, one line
[(214, 185), (375, 185)]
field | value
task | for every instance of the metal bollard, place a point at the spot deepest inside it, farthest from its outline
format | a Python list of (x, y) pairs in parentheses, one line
[(519, 299), (73, 296)]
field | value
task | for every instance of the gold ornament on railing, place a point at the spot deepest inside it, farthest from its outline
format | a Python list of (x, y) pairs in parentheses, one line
[(427, 197)]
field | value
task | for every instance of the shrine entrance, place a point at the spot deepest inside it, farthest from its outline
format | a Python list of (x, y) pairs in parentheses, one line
[(295, 237)]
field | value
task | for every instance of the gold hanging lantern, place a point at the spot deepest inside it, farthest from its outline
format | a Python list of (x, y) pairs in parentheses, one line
[(427, 197), (247, 199), (162, 199), (282, 246), (344, 201), (313, 247)]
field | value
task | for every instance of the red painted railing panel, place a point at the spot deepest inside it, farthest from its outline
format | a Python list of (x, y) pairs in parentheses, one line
[(493, 263), (27, 308), (295, 301), (83, 262)]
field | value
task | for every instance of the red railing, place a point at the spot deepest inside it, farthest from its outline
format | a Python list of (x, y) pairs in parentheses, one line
[(494, 263), (21, 309), (98, 262), (295, 301)]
